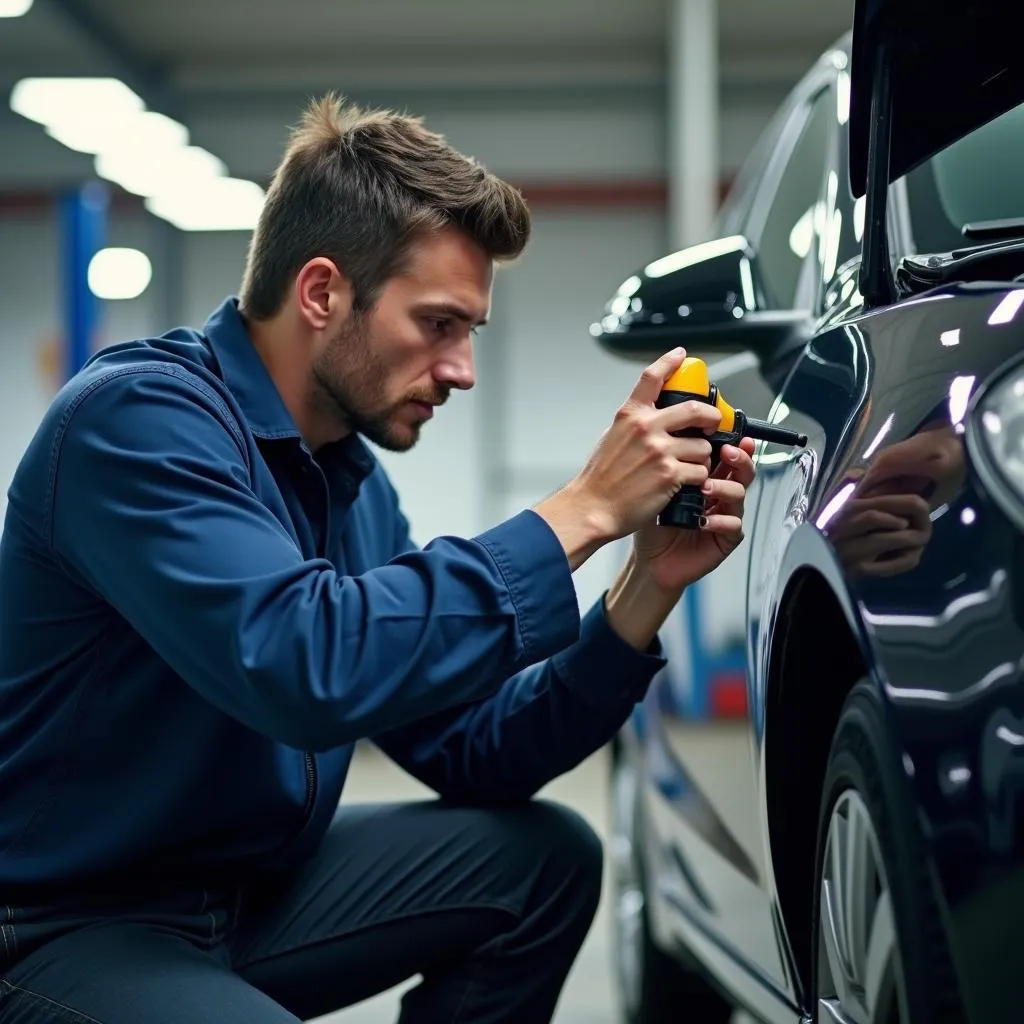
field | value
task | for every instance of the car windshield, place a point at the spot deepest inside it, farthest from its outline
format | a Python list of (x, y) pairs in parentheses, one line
[(979, 178)]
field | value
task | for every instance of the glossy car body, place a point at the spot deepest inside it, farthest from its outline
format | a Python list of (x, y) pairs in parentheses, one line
[(900, 362)]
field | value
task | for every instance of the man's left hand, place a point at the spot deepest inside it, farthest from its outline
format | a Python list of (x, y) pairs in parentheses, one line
[(672, 557)]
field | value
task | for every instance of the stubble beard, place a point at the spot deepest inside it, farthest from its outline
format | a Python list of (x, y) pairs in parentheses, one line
[(350, 380)]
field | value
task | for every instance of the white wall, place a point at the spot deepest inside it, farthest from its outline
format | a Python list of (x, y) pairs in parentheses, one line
[(609, 141), (31, 322), (29, 289)]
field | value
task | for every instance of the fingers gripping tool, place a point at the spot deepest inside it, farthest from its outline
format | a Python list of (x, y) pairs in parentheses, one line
[(691, 383)]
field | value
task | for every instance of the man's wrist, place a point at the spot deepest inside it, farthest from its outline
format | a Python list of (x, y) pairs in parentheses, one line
[(636, 606), (580, 525)]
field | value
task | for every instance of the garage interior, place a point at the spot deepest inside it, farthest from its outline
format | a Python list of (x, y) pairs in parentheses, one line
[(623, 123)]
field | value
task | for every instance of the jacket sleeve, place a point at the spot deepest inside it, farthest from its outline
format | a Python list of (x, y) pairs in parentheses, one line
[(152, 507), (541, 723)]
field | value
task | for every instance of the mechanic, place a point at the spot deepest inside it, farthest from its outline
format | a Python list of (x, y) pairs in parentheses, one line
[(208, 594)]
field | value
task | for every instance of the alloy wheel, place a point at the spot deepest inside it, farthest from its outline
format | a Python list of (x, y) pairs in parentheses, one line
[(628, 895), (860, 979)]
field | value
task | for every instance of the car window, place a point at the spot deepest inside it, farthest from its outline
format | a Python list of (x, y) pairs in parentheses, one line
[(736, 208), (794, 226), (978, 178)]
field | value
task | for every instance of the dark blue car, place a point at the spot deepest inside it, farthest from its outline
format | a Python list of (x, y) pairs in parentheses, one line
[(818, 810)]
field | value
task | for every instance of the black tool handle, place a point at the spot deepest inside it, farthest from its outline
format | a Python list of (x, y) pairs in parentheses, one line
[(685, 508)]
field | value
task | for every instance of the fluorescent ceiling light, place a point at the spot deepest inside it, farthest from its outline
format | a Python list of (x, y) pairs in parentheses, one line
[(52, 101), (149, 174), (221, 204), (143, 131), (14, 8), (143, 151), (119, 274)]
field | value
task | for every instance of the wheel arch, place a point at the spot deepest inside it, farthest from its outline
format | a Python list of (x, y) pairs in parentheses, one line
[(806, 686)]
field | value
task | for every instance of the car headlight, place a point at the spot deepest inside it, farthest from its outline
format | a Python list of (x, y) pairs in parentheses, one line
[(995, 439)]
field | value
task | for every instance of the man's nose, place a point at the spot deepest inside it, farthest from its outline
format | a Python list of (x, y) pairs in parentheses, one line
[(455, 369)]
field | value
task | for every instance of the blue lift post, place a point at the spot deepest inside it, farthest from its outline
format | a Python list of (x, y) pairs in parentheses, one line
[(84, 227)]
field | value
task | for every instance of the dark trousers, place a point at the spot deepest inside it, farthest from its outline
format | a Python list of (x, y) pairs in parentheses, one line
[(489, 906)]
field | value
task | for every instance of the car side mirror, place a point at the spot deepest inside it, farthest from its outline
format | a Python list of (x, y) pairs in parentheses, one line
[(708, 298)]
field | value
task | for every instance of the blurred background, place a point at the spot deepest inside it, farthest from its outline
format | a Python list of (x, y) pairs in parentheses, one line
[(126, 203)]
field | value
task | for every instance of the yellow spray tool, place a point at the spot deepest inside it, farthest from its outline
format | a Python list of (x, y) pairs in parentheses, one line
[(691, 383)]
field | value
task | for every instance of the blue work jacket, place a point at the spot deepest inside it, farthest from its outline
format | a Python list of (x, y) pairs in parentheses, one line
[(199, 617)]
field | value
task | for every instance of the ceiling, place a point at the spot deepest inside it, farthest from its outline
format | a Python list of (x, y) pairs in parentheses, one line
[(197, 59), (196, 45), (164, 30)]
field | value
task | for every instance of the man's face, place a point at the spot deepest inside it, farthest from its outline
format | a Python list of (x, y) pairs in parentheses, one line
[(385, 371)]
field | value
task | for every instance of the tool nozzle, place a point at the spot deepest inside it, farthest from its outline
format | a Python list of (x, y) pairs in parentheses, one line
[(761, 431)]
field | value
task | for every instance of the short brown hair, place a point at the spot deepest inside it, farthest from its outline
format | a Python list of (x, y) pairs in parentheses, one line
[(358, 186)]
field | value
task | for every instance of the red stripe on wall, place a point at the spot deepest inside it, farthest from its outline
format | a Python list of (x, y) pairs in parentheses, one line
[(594, 193), (35, 201), (603, 194)]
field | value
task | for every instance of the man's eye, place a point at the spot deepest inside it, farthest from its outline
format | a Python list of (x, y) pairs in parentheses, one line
[(437, 325)]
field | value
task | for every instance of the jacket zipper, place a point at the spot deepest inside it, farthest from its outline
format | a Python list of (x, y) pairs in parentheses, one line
[(310, 788)]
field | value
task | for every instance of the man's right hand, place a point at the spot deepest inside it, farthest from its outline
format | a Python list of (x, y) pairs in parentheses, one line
[(635, 469)]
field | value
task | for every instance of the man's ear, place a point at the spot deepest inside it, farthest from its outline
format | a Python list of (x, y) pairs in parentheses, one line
[(322, 293)]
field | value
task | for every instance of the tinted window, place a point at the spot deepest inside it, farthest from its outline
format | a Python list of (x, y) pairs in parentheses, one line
[(795, 226), (979, 178)]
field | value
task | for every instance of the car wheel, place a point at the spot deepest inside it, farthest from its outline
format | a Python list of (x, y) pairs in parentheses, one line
[(880, 954), (652, 987)]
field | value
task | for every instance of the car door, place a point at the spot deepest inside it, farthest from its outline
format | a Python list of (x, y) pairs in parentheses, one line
[(705, 755)]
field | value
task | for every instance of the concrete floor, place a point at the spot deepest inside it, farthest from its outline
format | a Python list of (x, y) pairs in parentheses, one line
[(588, 997)]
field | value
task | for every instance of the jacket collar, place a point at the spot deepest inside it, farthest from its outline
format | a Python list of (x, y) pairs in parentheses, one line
[(245, 374), (268, 417)]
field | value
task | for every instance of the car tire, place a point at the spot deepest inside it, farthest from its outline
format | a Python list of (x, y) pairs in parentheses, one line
[(652, 988), (879, 947)]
